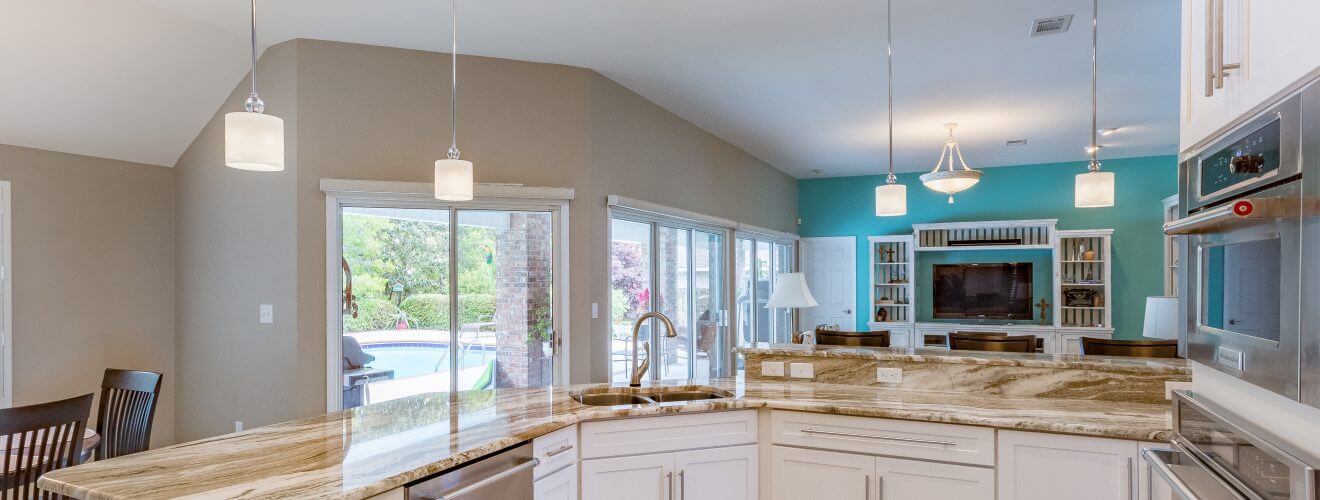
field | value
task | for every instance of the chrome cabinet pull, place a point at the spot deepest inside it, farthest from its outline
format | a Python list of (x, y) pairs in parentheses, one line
[(1221, 69), (682, 486), (1210, 47), (558, 450), (1132, 485), (669, 486), (1158, 464), (886, 438), (490, 480)]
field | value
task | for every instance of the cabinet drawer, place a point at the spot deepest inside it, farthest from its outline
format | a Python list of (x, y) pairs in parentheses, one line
[(556, 450), (881, 436), (657, 434)]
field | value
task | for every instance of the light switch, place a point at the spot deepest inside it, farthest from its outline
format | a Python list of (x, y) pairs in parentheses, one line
[(266, 313), (889, 375), (772, 368), (801, 370), (595, 310)]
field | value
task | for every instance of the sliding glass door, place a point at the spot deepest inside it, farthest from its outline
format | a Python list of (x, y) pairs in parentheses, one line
[(757, 262), (685, 263), (444, 299)]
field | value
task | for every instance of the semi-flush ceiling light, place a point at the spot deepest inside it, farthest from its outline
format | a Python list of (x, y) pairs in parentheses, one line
[(254, 140), (1094, 189), (453, 177), (953, 180), (890, 197)]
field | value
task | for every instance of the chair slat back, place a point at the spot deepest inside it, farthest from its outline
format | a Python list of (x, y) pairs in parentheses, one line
[(1131, 348), (127, 408), (38, 439), (976, 341)]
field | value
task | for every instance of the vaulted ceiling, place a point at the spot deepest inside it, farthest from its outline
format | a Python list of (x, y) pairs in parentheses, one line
[(798, 84)]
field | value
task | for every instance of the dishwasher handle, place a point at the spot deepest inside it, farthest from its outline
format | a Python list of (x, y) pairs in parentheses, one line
[(1159, 463), (487, 481)]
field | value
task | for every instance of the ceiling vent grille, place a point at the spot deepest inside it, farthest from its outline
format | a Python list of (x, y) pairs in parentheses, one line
[(1050, 25)]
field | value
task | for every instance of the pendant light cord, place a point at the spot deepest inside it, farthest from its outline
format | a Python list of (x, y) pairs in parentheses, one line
[(889, 79), (1095, 146), (453, 81), (254, 47)]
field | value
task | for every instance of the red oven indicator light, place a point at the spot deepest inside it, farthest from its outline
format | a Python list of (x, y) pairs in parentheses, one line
[(1243, 208)]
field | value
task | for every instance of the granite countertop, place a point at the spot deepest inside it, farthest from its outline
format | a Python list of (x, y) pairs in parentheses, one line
[(932, 355), (364, 451)]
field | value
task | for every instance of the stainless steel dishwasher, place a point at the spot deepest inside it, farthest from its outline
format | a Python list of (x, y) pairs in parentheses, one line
[(506, 475)]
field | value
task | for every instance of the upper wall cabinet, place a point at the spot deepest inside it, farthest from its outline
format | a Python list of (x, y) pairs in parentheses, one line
[(1238, 54)]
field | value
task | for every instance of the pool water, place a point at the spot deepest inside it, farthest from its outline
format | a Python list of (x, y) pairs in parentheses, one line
[(422, 359)]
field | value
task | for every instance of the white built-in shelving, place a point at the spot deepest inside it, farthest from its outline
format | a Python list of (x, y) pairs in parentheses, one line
[(1082, 281), (892, 291)]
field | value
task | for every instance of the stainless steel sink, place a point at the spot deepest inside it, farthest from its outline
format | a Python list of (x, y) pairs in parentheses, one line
[(611, 399), (665, 397), (630, 397)]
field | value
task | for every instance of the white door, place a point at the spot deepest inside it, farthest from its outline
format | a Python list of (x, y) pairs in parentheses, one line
[(914, 480), (561, 485), (1050, 466), (1202, 115), (806, 474), (830, 266), (641, 477), (717, 473)]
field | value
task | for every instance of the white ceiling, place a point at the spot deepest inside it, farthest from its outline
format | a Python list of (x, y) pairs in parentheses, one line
[(798, 84)]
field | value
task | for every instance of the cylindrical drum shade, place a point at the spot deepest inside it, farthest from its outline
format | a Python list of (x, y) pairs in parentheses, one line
[(890, 200), (453, 180), (1094, 190), (254, 141)]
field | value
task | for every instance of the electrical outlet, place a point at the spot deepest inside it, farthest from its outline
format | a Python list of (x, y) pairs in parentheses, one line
[(889, 375), (801, 370), (772, 368), (266, 313), (238, 426)]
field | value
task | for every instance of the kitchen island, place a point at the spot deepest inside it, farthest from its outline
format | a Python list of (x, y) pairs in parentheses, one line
[(365, 451)]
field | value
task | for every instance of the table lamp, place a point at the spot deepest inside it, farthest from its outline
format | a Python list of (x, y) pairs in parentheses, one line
[(1161, 318), (791, 292)]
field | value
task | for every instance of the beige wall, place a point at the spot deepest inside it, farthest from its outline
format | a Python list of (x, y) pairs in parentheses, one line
[(235, 249), (376, 113), (93, 246)]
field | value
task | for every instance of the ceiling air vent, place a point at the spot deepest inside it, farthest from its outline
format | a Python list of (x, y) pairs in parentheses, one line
[(1015, 142), (1050, 25)]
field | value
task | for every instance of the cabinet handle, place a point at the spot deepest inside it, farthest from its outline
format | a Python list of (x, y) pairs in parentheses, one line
[(1132, 486), (1210, 47), (682, 486), (886, 438), (1221, 69), (669, 486), (558, 450)]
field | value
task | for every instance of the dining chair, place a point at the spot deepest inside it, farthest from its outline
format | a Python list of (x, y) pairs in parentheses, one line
[(127, 408), (38, 439), (972, 341), (1130, 348)]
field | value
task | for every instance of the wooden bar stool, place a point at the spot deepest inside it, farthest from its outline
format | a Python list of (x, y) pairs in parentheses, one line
[(1130, 348), (864, 339), (975, 341)]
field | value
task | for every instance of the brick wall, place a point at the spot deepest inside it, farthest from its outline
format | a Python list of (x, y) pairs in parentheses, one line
[(523, 272)]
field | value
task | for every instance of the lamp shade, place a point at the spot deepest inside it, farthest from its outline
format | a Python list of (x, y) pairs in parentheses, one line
[(1161, 318), (791, 291), (453, 180), (1094, 190), (254, 141), (890, 200)]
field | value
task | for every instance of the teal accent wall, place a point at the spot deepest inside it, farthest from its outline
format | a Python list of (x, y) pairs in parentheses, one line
[(1042, 263), (845, 206)]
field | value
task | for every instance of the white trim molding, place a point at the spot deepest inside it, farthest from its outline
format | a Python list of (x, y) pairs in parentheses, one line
[(6, 302), (634, 204), (344, 187)]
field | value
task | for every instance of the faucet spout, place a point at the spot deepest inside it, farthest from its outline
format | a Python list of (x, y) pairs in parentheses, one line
[(640, 369)]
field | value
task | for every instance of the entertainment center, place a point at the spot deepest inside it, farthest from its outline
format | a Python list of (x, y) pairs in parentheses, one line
[(982, 275)]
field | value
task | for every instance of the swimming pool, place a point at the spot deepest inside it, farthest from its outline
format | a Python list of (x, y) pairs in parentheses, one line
[(412, 359)]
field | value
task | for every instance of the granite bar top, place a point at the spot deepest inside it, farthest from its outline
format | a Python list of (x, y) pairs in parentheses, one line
[(931, 355), (364, 451)]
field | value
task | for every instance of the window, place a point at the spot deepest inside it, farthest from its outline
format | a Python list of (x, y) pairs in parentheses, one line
[(759, 261)]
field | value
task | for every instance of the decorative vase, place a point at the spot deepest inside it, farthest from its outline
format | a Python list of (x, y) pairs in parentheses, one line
[(881, 315)]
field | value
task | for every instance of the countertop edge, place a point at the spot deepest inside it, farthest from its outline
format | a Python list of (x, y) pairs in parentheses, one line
[(926, 357)]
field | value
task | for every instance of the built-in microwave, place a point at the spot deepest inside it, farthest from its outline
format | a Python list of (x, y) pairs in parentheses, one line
[(1247, 234)]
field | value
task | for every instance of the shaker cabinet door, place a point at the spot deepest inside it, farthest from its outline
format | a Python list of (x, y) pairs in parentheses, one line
[(799, 474)]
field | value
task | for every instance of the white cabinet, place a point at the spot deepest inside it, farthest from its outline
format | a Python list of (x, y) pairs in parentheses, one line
[(1049, 466), (640, 477), (1238, 54), (912, 479), (717, 473), (561, 485), (798, 473)]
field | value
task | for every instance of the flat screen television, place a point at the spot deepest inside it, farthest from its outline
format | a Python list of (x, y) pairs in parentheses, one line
[(989, 291)]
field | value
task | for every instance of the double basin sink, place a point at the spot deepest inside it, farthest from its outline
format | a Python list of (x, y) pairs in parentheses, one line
[(643, 397)]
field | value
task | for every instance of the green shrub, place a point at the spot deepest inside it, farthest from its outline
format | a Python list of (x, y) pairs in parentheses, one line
[(373, 314), (430, 311)]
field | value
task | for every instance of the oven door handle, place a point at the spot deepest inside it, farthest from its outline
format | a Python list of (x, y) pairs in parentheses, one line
[(1196, 223), (1159, 463)]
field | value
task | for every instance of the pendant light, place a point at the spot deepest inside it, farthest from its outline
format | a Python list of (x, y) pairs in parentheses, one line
[(890, 197), (953, 180), (253, 139), (1094, 189), (453, 177)]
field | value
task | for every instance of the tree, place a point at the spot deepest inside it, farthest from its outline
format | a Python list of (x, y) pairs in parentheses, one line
[(627, 274)]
